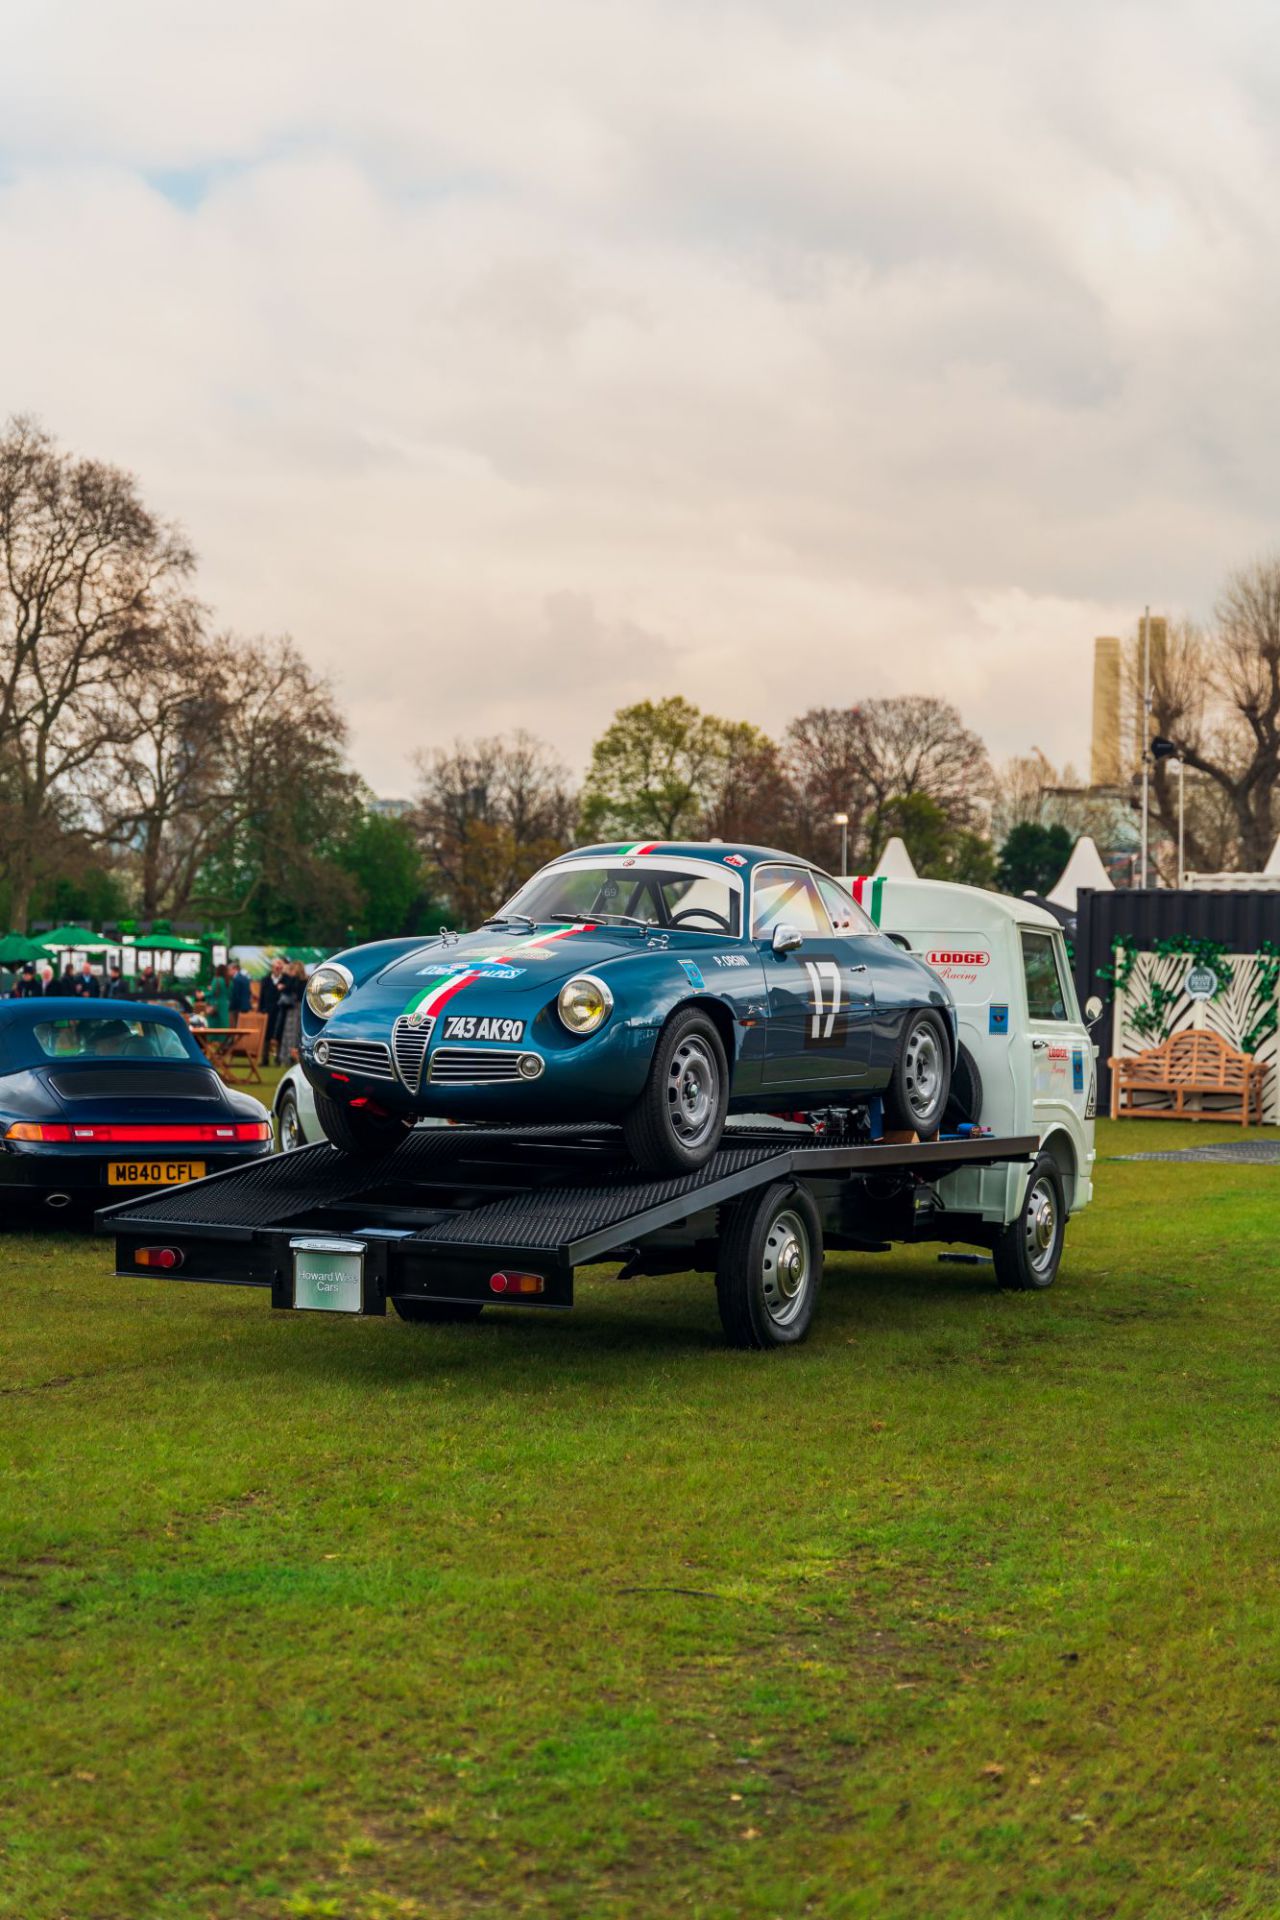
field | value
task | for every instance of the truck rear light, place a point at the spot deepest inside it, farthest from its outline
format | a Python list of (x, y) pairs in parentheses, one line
[(516, 1283), (166, 1258)]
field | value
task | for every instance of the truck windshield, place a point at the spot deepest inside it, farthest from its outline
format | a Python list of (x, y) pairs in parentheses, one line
[(654, 896)]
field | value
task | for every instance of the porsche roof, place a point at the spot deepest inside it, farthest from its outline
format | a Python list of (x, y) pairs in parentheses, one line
[(725, 852)]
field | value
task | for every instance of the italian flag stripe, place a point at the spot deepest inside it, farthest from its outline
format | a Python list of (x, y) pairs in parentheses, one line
[(440, 992), (641, 846), (877, 899)]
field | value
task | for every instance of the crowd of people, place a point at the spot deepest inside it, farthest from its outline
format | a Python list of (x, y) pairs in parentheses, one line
[(229, 995)]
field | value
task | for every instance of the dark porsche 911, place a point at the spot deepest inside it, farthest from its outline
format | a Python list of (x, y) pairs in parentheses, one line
[(100, 1097)]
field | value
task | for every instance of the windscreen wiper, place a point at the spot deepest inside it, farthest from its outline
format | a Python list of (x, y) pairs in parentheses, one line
[(631, 919), (509, 919)]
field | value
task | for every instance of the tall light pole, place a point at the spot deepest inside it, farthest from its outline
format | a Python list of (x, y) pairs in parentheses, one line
[(841, 820), (1162, 749), (1146, 729)]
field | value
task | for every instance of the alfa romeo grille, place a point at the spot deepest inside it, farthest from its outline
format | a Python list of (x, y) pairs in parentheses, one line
[(477, 1066), (368, 1057), (409, 1040)]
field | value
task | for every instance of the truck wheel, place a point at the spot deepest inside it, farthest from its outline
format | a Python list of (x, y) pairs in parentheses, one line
[(356, 1131), (437, 1311), (964, 1104), (1028, 1250), (916, 1096), (675, 1125), (770, 1267)]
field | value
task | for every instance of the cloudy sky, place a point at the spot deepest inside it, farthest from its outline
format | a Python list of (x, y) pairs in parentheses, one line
[(526, 357)]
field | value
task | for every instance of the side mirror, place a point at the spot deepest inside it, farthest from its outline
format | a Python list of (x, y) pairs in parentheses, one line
[(900, 940), (1094, 1008), (786, 939)]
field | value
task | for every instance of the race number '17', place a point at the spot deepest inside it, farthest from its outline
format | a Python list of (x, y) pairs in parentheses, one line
[(824, 994)]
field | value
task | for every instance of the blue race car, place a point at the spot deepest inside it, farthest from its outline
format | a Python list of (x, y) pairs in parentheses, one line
[(660, 986), (100, 1097)]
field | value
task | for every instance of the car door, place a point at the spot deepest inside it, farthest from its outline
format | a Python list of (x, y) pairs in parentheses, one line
[(820, 997), (1061, 1066)]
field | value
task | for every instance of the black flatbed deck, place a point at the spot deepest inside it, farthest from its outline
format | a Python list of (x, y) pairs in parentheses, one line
[(435, 1217)]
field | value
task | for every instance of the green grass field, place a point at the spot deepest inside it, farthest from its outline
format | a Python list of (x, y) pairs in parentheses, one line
[(966, 1608)]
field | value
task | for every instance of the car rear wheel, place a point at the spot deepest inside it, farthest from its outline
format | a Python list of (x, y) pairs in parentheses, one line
[(676, 1124), (358, 1130), (916, 1097)]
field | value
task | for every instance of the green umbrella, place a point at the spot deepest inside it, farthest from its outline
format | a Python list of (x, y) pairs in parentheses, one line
[(77, 939), (16, 950)]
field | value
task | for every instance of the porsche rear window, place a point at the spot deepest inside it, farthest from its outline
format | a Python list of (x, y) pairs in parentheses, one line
[(657, 896), (109, 1037)]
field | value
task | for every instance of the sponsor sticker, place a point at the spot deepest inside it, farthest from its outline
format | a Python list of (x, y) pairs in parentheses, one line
[(998, 1020), (693, 974), (479, 1026), (1077, 1071), (734, 860), (958, 957)]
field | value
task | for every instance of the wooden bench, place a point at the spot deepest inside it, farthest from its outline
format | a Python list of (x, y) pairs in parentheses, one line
[(1176, 1080)]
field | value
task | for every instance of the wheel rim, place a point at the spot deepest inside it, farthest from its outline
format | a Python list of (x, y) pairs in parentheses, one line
[(1040, 1226), (290, 1132), (922, 1071), (693, 1091), (786, 1267)]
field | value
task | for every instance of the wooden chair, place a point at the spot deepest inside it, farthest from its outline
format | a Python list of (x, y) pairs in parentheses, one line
[(244, 1044), (1176, 1080)]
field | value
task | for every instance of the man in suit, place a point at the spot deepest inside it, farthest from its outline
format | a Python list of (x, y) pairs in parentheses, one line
[(241, 998)]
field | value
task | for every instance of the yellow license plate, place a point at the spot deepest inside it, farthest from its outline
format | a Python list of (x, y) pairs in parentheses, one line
[(153, 1173)]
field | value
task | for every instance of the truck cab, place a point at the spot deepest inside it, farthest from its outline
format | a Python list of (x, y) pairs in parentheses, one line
[(1027, 1063)]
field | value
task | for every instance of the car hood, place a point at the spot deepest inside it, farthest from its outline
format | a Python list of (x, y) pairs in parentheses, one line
[(514, 961)]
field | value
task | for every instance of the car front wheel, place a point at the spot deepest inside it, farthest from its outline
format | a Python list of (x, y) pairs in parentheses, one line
[(357, 1130), (289, 1134), (916, 1097), (676, 1124)]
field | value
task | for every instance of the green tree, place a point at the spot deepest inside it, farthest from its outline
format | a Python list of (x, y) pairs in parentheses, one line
[(939, 848), (1032, 857), (653, 773), (382, 857)]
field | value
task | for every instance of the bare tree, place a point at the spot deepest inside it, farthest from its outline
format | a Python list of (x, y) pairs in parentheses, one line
[(1217, 697), (825, 755), (489, 813), (89, 581), (858, 760)]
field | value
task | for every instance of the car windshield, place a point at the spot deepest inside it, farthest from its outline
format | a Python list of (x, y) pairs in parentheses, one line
[(652, 895), (109, 1038)]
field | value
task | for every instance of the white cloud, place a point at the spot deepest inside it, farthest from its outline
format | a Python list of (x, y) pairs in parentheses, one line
[(524, 360)]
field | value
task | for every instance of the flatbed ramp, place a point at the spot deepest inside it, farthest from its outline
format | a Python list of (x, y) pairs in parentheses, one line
[(457, 1218)]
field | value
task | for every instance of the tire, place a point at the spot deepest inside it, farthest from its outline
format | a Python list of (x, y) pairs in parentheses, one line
[(964, 1104), (769, 1272), (1027, 1252), (289, 1134), (920, 1084), (356, 1131), (437, 1312), (676, 1124)]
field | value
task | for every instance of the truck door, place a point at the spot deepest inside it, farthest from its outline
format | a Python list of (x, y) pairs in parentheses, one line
[(1061, 1052), (821, 996)]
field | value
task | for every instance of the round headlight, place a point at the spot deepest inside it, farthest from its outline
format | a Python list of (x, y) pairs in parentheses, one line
[(584, 1003), (328, 985)]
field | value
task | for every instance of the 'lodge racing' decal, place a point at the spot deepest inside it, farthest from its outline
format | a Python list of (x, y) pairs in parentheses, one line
[(474, 1026)]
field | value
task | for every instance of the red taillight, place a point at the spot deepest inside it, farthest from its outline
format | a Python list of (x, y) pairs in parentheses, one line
[(165, 1257), (116, 1134), (516, 1283)]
